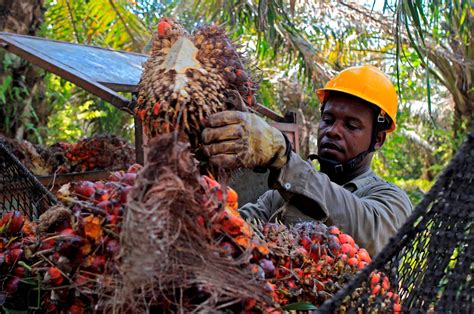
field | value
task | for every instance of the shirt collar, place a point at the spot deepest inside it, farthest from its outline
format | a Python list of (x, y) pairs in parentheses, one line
[(359, 181)]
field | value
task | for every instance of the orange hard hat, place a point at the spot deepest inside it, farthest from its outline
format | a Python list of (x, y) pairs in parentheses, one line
[(370, 84)]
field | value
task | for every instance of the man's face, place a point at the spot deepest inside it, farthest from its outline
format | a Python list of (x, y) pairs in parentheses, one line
[(345, 129)]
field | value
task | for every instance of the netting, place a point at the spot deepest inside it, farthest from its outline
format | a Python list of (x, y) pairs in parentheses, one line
[(19, 189), (430, 260)]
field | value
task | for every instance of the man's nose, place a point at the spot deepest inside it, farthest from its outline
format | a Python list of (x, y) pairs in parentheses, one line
[(335, 130)]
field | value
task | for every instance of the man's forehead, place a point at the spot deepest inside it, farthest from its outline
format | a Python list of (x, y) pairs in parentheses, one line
[(352, 106)]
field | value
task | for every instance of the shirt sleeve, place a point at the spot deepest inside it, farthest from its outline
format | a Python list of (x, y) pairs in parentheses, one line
[(264, 208), (371, 220)]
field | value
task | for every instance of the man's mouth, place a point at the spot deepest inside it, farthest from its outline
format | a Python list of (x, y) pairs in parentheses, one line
[(331, 146)]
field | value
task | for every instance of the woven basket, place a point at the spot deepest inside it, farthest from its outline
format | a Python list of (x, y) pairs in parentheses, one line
[(20, 189)]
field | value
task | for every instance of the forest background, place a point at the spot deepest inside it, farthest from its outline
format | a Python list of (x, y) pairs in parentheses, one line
[(295, 46)]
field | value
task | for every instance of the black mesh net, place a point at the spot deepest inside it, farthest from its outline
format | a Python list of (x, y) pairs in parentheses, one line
[(428, 266), (19, 189)]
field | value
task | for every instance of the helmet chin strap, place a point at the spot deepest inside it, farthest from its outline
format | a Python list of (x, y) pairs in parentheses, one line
[(334, 168)]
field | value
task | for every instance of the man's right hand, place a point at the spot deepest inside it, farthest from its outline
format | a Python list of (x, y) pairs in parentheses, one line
[(235, 139)]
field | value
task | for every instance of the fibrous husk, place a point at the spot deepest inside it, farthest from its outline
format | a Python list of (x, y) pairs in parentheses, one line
[(189, 77), (171, 253)]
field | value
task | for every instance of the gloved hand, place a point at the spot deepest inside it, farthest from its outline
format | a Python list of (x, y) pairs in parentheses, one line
[(236, 139)]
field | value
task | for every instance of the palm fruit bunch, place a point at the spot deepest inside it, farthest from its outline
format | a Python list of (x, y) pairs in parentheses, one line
[(65, 260), (190, 224), (188, 77), (310, 261), (100, 152)]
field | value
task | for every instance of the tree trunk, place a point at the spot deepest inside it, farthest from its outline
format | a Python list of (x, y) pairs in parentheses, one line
[(24, 111)]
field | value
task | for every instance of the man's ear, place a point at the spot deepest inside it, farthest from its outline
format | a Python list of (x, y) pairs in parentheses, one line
[(380, 139)]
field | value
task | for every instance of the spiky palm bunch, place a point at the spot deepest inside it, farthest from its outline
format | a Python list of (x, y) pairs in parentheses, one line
[(188, 77)]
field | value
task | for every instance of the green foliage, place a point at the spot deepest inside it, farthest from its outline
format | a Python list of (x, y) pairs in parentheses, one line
[(78, 114)]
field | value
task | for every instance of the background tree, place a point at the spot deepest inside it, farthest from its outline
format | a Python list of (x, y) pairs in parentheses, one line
[(23, 109)]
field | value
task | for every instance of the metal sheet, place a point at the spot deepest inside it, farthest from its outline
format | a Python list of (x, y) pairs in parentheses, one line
[(110, 67)]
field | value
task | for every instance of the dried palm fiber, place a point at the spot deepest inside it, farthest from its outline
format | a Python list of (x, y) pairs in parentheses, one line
[(188, 77), (168, 258)]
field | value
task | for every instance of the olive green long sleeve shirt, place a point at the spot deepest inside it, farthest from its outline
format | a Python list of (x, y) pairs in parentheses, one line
[(368, 208)]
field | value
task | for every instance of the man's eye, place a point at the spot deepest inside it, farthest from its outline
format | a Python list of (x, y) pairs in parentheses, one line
[(327, 120), (351, 126)]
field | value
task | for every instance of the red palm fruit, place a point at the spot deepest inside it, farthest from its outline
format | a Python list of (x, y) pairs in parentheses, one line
[(257, 271), (76, 309), (97, 263), (12, 285), (334, 244), (315, 252), (101, 195), (156, 108), (361, 264), (15, 255), (6, 217), (317, 237), (249, 304), (328, 259), (374, 279), (200, 220), (47, 244), (116, 176), (268, 267), (334, 230), (106, 205), (298, 272), (16, 222), (124, 194), (385, 283), (112, 247), (232, 197), (228, 248), (162, 27), (3, 243), (129, 178), (84, 189), (134, 168), (376, 289), (397, 308), (241, 75), (345, 238), (19, 271), (232, 225), (281, 272), (269, 287), (343, 257), (55, 276), (111, 220), (305, 242), (352, 261), (346, 248), (291, 284), (99, 185), (364, 255), (352, 252)]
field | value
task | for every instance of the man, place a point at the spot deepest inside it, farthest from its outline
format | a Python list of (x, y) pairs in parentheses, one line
[(359, 108)]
